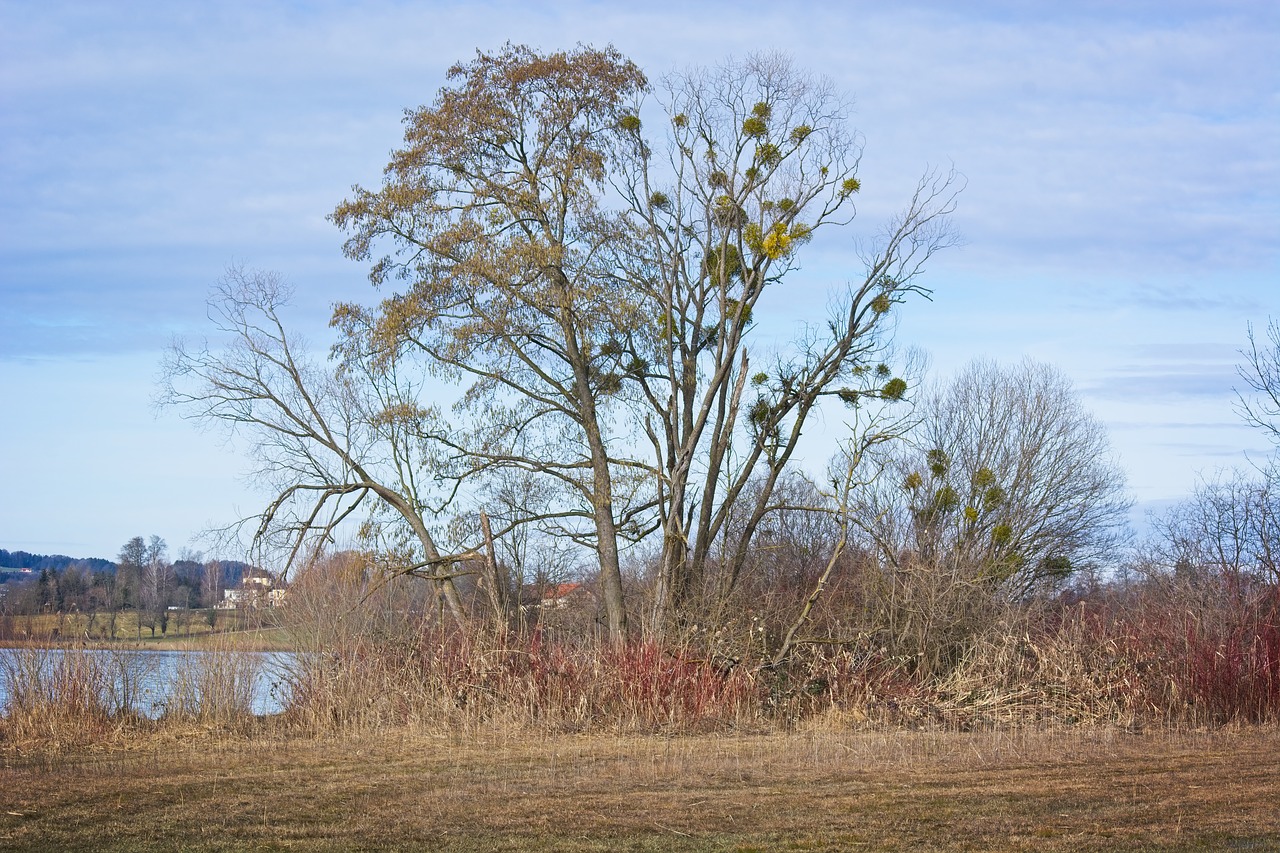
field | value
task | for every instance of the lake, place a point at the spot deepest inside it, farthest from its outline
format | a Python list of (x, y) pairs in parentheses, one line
[(148, 680)]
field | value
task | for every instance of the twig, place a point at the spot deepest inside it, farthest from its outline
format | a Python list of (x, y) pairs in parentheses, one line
[(675, 831)]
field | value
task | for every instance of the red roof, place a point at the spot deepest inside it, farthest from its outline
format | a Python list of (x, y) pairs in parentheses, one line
[(559, 590)]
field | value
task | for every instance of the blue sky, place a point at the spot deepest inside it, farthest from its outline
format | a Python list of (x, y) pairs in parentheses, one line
[(1122, 215)]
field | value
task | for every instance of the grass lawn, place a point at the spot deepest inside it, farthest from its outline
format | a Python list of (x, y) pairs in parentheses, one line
[(234, 629), (398, 790)]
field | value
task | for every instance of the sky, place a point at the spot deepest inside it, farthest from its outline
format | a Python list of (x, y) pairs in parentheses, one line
[(1121, 218)]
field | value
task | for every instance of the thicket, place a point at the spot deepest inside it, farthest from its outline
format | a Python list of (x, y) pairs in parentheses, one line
[(1155, 650)]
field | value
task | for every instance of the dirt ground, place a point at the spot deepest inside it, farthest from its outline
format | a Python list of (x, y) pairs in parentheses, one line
[(823, 790)]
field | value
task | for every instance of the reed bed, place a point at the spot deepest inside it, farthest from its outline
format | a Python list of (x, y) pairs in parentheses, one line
[(67, 697), (216, 687), (58, 699), (453, 681), (1086, 668), (1151, 663)]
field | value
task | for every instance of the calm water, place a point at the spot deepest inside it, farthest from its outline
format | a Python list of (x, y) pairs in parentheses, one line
[(149, 677)]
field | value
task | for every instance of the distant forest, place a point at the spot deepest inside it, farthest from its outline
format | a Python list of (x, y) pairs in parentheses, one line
[(143, 579), (36, 562)]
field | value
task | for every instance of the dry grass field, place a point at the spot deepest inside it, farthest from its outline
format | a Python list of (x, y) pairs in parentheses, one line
[(1070, 790), (234, 629)]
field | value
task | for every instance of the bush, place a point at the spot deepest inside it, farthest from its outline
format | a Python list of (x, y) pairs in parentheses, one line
[(448, 680)]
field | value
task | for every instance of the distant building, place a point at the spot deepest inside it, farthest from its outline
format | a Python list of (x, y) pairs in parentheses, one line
[(561, 595), (257, 589)]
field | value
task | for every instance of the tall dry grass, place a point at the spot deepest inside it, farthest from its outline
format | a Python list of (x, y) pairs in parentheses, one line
[(1159, 654), (1206, 654), (1154, 655), (455, 681), (216, 687), (371, 652), (65, 697), (61, 698)]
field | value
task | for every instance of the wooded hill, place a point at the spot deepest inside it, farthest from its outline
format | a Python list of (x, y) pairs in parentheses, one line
[(11, 560)]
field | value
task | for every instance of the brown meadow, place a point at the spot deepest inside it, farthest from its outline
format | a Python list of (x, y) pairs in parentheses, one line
[(823, 789)]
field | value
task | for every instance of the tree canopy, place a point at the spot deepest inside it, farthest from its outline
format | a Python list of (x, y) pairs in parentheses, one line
[(1008, 480), (596, 287)]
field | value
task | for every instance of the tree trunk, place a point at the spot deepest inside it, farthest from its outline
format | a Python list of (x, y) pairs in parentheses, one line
[(601, 485), (499, 583), (607, 537)]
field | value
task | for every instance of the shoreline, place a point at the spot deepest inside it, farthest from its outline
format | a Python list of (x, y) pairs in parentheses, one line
[(246, 640)]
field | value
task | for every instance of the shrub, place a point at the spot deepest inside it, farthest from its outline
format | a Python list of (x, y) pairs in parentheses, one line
[(449, 680)]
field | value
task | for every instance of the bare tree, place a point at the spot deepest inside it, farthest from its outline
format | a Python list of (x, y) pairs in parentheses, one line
[(328, 442), (759, 157), (1261, 372), (211, 583), (134, 553), (129, 582), (1011, 482), (1228, 528), (155, 578)]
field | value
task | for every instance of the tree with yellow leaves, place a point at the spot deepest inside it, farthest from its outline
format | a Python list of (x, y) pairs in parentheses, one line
[(759, 157), (595, 291)]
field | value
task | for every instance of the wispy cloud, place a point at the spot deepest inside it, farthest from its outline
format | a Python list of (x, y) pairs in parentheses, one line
[(1191, 297), (1196, 426), (1137, 385), (1183, 351)]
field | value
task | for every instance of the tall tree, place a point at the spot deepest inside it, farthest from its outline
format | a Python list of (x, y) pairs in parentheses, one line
[(134, 553), (133, 557), (156, 583), (598, 298), (495, 217), (758, 159), (211, 583)]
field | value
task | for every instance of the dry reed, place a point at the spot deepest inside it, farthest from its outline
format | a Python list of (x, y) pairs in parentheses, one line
[(1108, 664), (62, 698), (216, 688)]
